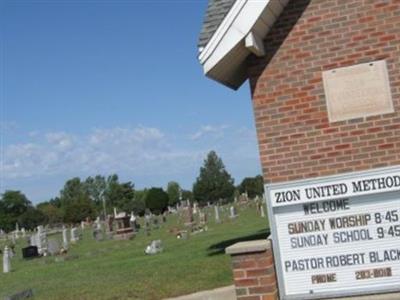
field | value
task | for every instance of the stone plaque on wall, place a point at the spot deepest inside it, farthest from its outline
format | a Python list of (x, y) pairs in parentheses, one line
[(357, 91)]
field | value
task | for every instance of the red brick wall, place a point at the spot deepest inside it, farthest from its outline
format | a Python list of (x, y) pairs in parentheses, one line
[(296, 140), (254, 275)]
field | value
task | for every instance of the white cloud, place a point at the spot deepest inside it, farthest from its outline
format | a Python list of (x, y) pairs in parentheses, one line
[(137, 150), (147, 156), (209, 131), (60, 140)]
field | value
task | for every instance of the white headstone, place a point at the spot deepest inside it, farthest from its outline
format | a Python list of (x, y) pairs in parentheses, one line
[(216, 210), (74, 235), (98, 223), (41, 239), (232, 211), (65, 237), (6, 260), (262, 211), (154, 248), (33, 240), (133, 218)]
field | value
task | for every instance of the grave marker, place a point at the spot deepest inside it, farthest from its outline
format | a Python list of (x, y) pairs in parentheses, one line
[(216, 213), (6, 260)]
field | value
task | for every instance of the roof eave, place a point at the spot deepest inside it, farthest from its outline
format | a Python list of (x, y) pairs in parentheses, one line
[(240, 33)]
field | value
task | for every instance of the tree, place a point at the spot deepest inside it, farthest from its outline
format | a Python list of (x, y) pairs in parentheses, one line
[(76, 202), (253, 186), (96, 187), (119, 195), (79, 210), (139, 205), (52, 213), (15, 202), (156, 200), (31, 218), (74, 190), (16, 208), (12, 205), (173, 190), (214, 182), (187, 195)]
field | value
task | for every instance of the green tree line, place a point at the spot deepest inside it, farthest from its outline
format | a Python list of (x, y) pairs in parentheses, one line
[(95, 196)]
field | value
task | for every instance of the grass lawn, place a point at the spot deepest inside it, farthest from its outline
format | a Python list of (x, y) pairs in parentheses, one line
[(120, 269)]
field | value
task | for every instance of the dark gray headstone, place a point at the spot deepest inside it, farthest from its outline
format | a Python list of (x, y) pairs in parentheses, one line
[(30, 252)]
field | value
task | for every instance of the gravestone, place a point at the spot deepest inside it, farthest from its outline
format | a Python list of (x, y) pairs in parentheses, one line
[(65, 237), (110, 221), (132, 221), (216, 211), (203, 218), (98, 234), (123, 229), (154, 248), (147, 223), (98, 223), (53, 247), (188, 216), (74, 235), (262, 211), (232, 212), (32, 240), (41, 239), (156, 223), (6, 260), (13, 239), (30, 252)]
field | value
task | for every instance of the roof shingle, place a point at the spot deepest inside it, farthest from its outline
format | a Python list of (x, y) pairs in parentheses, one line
[(215, 14)]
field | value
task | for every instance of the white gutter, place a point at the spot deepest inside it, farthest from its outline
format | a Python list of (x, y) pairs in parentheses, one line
[(242, 31)]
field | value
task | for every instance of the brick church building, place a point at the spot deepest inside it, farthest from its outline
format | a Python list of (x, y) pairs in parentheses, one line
[(324, 77)]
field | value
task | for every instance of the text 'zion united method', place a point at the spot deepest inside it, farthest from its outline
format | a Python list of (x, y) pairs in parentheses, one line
[(335, 190)]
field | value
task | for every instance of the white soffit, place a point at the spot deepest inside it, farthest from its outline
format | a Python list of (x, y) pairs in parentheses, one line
[(250, 20)]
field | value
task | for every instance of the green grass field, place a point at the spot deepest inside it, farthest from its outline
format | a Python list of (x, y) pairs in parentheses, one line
[(120, 270)]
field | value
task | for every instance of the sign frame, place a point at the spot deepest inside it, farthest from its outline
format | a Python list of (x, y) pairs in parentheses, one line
[(275, 240)]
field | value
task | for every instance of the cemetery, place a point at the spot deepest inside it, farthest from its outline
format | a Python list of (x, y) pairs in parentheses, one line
[(88, 262), (324, 222)]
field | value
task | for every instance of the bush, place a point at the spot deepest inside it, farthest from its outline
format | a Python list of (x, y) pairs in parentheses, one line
[(156, 200)]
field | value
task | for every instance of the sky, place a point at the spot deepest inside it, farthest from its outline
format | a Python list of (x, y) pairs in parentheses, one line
[(103, 87)]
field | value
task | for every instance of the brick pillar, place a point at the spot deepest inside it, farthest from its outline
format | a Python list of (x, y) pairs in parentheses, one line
[(254, 270)]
